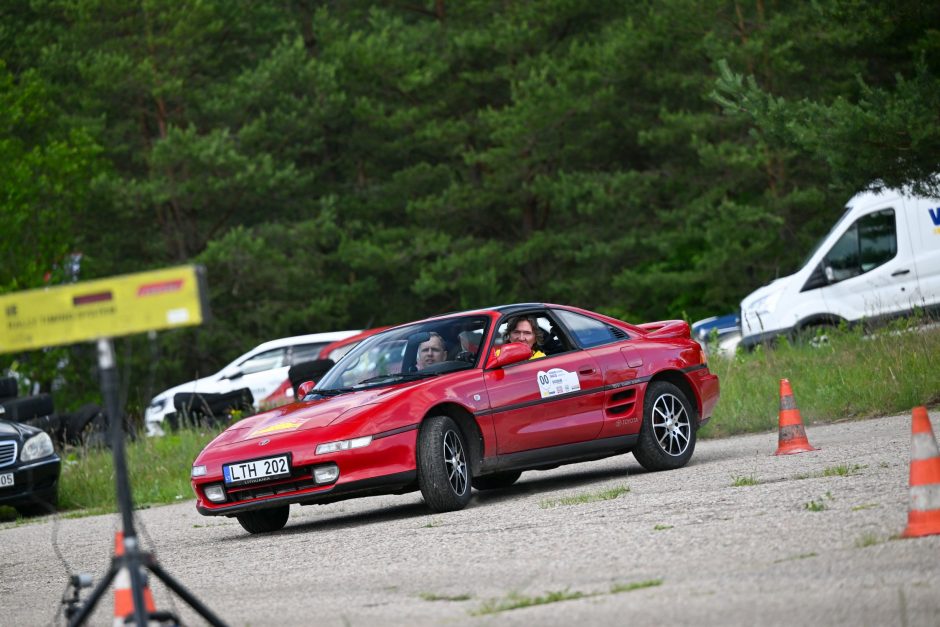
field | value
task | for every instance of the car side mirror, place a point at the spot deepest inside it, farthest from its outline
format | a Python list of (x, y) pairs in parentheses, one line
[(304, 388), (830, 275), (508, 354)]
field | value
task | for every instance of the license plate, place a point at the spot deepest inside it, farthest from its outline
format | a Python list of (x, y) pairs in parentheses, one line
[(6, 480), (256, 470)]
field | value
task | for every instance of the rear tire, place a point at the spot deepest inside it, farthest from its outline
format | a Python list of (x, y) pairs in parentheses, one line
[(443, 473), (497, 480), (264, 520), (667, 436)]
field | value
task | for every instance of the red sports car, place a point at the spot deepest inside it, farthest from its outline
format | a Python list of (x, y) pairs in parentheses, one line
[(455, 402)]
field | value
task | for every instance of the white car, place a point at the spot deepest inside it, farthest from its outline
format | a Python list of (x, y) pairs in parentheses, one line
[(262, 369)]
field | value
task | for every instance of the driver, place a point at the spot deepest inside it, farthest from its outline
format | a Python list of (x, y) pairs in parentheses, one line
[(433, 351), (524, 329)]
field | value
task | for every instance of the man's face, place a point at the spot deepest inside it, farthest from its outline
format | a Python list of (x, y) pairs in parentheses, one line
[(430, 352), (523, 333)]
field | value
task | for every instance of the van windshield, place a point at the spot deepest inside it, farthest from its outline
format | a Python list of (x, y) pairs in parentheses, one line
[(822, 239)]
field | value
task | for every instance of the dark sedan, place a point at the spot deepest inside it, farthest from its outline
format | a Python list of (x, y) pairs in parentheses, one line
[(29, 469)]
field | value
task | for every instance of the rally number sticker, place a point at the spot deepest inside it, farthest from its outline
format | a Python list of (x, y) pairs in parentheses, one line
[(557, 381)]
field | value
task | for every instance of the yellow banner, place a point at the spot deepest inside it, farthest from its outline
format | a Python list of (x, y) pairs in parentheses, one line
[(121, 305)]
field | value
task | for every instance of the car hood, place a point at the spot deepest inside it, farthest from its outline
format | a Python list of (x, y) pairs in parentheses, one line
[(306, 415), (17, 430)]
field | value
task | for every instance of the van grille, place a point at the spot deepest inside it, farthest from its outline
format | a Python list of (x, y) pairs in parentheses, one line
[(7, 452)]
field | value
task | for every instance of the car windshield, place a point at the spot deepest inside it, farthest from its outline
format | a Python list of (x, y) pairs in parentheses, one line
[(415, 351)]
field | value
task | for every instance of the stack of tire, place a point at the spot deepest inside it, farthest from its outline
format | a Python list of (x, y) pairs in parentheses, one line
[(79, 427), (195, 409)]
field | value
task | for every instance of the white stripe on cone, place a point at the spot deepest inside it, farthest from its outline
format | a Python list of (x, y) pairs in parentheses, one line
[(925, 497), (923, 446)]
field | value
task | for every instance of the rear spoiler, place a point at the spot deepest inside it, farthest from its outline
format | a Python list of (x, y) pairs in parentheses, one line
[(667, 328)]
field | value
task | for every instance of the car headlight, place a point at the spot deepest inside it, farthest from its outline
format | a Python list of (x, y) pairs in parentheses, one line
[(37, 447), (156, 405), (343, 445), (198, 471)]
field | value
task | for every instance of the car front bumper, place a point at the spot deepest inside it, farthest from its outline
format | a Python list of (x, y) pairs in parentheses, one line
[(36, 482)]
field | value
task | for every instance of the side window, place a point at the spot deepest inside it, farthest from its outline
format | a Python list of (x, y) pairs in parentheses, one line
[(870, 242), (306, 352), (550, 341), (264, 361), (588, 331)]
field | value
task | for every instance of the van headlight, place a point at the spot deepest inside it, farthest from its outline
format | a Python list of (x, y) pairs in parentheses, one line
[(37, 447)]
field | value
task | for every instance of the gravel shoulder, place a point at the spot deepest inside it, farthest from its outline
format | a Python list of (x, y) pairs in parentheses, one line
[(798, 546)]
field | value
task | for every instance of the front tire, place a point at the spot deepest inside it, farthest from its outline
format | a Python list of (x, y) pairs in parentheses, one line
[(443, 473), (667, 436), (264, 520)]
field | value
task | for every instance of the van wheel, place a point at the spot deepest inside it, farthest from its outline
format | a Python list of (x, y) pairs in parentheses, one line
[(815, 335), (667, 435)]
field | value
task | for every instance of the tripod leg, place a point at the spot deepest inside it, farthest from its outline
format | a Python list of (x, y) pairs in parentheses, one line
[(89, 605), (184, 594)]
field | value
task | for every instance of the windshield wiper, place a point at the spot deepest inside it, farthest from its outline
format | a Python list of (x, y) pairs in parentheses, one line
[(403, 376)]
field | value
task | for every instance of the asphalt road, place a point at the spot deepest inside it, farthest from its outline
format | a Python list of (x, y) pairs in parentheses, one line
[(797, 547)]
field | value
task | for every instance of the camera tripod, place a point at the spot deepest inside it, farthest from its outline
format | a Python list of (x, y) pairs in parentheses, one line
[(131, 557)]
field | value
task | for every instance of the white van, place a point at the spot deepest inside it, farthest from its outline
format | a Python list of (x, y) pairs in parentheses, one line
[(880, 260), (262, 370)]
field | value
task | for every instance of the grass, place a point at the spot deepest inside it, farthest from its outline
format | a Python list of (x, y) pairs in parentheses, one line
[(629, 587), (430, 596), (842, 470), (662, 527), (867, 539), (818, 506), (852, 376), (158, 469), (514, 600), (590, 497), (738, 482)]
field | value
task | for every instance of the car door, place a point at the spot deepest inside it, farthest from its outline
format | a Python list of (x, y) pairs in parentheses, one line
[(550, 401)]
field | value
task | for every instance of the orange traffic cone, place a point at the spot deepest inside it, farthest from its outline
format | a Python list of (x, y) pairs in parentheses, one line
[(123, 595), (792, 435), (923, 518)]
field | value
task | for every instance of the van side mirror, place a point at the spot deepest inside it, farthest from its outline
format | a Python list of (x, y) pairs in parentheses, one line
[(507, 354)]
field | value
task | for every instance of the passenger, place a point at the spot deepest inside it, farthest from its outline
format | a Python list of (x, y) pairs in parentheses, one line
[(433, 351), (526, 330)]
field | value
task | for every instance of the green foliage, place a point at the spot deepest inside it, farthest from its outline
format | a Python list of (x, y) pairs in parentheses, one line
[(591, 497), (830, 382), (346, 165)]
